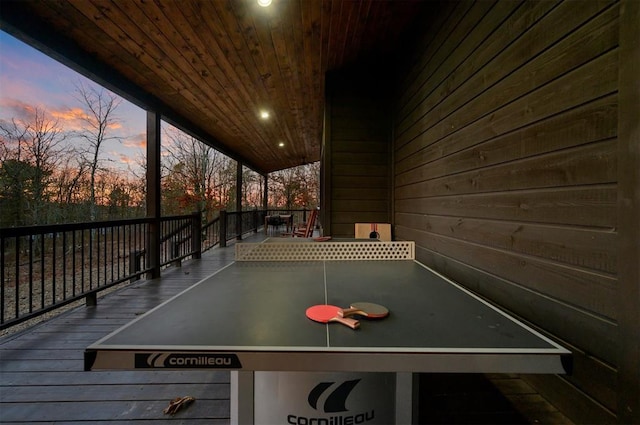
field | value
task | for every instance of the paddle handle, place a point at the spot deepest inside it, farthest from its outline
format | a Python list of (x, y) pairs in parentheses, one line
[(352, 323), (349, 311)]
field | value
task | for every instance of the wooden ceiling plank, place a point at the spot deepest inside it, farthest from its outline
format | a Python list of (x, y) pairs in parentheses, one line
[(326, 22), (351, 33), (159, 71), (223, 57), (312, 21), (59, 13), (238, 22), (307, 28), (288, 96), (359, 21), (291, 66), (258, 37), (137, 22), (109, 29), (229, 93), (335, 39), (238, 138)]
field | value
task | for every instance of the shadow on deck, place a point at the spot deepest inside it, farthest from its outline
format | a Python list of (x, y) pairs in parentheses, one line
[(43, 380)]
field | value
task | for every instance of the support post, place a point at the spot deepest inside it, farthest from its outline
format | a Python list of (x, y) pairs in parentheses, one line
[(239, 200), (153, 193), (265, 201)]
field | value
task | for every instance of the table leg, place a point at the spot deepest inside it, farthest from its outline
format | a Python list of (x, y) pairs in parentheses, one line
[(407, 394), (242, 398)]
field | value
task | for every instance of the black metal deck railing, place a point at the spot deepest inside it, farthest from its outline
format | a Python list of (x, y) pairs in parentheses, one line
[(43, 268)]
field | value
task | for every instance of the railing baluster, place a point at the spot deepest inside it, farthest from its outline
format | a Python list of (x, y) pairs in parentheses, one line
[(30, 275), (73, 263), (3, 279), (17, 282), (117, 254), (97, 257), (90, 259), (64, 266), (82, 277), (42, 271), (106, 254), (53, 269)]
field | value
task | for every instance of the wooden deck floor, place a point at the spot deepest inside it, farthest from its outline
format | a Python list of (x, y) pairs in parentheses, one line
[(42, 377)]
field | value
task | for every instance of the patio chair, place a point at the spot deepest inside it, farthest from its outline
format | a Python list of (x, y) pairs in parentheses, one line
[(274, 221), (305, 230)]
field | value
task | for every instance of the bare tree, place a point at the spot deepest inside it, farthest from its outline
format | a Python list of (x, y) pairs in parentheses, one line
[(99, 119), (196, 176), (31, 149), (295, 187), (252, 192)]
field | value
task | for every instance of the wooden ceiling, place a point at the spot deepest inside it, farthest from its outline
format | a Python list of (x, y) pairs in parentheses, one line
[(211, 66)]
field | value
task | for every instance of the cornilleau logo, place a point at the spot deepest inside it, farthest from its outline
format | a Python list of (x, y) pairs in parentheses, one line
[(331, 399), (187, 361), (336, 400)]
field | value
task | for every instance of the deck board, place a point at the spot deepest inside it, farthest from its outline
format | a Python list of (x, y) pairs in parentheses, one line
[(42, 368), (43, 378)]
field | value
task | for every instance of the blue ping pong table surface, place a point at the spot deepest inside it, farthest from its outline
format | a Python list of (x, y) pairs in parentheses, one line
[(251, 316)]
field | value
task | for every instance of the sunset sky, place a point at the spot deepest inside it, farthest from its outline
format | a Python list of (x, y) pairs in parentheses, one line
[(30, 79)]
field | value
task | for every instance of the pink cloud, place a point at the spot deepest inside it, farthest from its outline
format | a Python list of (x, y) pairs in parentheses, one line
[(138, 141), (72, 114), (16, 109)]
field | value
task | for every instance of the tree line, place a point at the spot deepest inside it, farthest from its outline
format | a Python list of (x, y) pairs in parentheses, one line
[(50, 174)]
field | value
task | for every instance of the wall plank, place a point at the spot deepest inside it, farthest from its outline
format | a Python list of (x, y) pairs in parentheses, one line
[(593, 206), (506, 172), (590, 164), (592, 122), (357, 152), (595, 293), (589, 249)]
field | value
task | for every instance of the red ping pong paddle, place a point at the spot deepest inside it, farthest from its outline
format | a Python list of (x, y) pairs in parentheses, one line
[(368, 310), (322, 239), (325, 313)]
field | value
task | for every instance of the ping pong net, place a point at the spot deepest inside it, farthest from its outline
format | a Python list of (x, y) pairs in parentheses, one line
[(329, 251)]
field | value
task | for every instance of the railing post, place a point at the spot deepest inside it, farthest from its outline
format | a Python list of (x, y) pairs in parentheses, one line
[(255, 220), (196, 235), (91, 300), (223, 228), (134, 264), (175, 252)]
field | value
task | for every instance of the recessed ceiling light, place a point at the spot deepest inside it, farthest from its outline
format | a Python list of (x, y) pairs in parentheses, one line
[(281, 144), (264, 115), (264, 3)]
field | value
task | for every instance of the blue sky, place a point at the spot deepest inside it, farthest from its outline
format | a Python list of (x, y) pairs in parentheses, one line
[(29, 78)]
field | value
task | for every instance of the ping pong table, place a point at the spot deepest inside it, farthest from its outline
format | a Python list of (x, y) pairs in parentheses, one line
[(249, 317)]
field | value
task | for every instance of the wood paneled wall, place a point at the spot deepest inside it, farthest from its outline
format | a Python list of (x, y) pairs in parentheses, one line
[(356, 152), (505, 172)]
